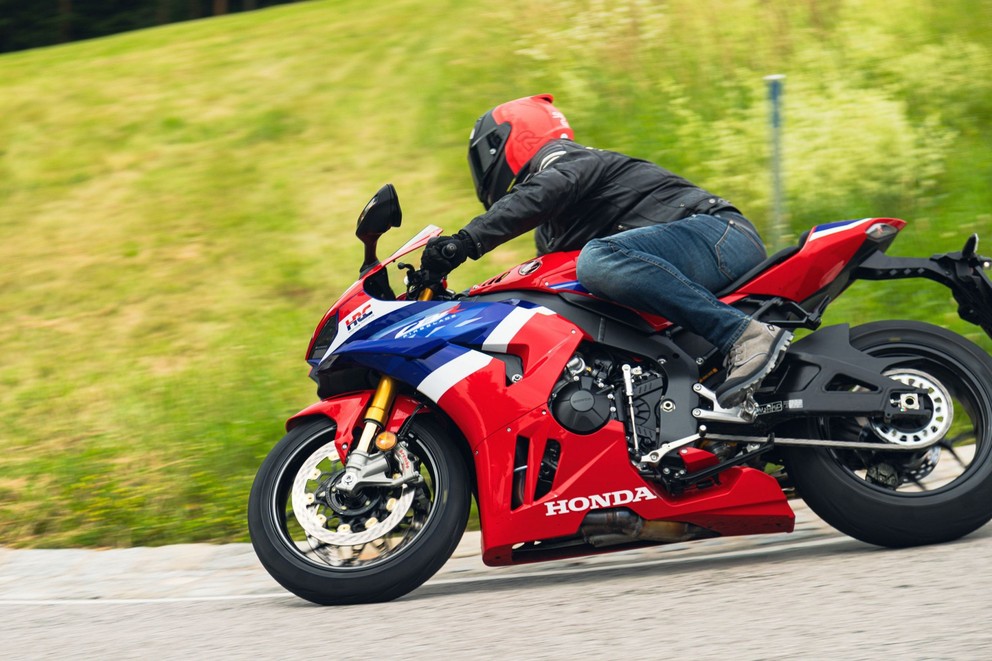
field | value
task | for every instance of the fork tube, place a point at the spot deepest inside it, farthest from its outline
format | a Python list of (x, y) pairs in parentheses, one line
[(382, 401), (377, 413)]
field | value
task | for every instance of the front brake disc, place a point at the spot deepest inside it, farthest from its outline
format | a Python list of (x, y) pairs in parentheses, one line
[(306, 505)]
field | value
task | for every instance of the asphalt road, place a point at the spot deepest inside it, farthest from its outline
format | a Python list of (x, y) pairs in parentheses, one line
[(812, 594)]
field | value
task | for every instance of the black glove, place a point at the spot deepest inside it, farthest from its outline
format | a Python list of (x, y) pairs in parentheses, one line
[(443, 254)]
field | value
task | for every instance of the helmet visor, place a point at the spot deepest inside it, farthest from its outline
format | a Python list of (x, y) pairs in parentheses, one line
[(485, 151)]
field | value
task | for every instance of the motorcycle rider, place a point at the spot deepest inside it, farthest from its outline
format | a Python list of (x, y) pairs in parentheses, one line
[(650, 239)]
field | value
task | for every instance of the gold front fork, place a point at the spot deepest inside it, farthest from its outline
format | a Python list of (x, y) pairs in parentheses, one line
[(376, 416)]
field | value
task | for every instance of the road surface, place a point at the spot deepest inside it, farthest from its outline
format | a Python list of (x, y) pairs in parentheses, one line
[(812, 594)]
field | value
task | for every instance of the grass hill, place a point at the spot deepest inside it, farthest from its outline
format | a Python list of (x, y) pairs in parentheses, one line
[(177, 204)]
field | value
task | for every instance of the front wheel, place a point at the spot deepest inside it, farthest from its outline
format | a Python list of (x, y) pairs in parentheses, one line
[(375, 544), (905, 498)]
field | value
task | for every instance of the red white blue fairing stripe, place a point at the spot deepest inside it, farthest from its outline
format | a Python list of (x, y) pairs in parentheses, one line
[(821, 231), (432, 345)]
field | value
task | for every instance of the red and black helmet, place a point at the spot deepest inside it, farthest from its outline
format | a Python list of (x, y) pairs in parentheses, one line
[(506, 138)]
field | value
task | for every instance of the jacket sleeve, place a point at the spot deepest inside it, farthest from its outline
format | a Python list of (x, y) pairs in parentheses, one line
[(563, 178)]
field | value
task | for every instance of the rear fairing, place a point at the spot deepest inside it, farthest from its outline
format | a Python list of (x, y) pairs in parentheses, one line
[(828, 253)]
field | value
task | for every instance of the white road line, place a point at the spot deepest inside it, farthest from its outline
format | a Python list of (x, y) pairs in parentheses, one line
[(150, 600)]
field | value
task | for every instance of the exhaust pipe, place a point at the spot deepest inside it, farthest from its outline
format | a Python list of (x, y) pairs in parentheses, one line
[(621, 526)]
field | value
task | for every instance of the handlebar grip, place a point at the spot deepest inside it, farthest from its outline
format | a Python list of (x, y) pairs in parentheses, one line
[(449, 250)]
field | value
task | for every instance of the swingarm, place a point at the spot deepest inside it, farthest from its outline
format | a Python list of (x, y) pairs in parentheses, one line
[(823, 375)]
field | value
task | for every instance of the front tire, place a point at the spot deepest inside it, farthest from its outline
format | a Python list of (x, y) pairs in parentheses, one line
[(900, 499), (323, 553)]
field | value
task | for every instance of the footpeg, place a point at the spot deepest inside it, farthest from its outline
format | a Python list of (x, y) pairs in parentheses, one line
[(741, 414)]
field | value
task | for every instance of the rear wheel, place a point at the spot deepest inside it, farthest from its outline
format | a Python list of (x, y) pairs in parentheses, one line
[(904, 498), (375, 544)]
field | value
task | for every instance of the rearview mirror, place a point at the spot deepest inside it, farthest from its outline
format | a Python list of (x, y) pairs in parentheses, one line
[(381, 213)]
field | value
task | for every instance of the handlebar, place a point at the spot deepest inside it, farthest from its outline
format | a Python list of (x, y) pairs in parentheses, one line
[(420, 283)]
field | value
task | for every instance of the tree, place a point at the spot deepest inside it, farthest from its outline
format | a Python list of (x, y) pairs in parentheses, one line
[(65, 20), (44, 22)]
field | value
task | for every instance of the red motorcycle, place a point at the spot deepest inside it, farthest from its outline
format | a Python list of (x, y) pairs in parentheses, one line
[(581, 426)]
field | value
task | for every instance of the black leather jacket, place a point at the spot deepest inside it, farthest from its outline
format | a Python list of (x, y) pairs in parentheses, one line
[(572, 194)]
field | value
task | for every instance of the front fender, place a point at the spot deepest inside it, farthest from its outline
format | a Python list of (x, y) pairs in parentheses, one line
[(348, 411)]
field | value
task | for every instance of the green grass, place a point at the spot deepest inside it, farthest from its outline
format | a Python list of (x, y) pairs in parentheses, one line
[(177, 205)]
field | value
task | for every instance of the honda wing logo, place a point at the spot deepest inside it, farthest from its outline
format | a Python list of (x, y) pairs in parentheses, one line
[(611, 499)]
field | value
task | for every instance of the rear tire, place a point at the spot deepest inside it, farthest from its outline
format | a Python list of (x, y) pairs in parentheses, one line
[(876, 496), (399, 561)]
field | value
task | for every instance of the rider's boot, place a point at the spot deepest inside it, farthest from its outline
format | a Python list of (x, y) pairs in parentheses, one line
[(756, 353)]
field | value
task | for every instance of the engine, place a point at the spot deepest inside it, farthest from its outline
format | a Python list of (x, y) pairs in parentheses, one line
[(593, 391)]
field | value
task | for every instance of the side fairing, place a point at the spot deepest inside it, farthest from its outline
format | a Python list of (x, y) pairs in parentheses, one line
[(435, 347)]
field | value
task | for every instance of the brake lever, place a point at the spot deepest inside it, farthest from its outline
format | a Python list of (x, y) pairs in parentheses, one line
[(417, 280)]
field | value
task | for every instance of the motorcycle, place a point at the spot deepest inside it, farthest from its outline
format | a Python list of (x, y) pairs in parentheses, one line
[(581, 426)]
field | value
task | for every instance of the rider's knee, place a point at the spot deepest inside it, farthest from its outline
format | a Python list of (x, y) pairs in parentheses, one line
[(591, 267)]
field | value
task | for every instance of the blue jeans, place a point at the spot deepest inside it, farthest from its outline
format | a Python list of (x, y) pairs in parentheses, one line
[(672, 269)]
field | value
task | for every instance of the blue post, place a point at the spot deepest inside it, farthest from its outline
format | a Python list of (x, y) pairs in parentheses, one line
[(775, 84)]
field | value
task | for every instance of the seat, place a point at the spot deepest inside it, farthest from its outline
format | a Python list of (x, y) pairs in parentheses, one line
[(777, 258)]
